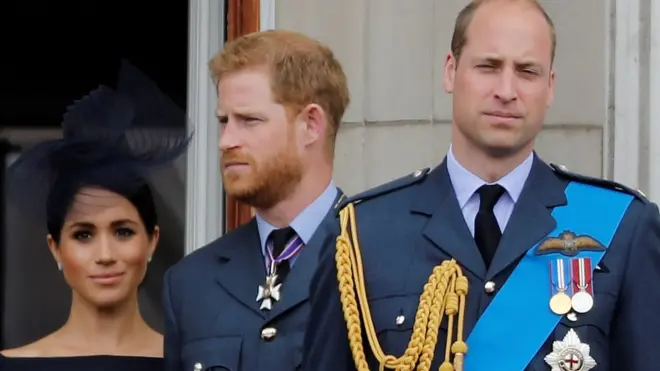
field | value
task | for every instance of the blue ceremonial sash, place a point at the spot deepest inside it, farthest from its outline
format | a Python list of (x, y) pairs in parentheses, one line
[(519, 320)]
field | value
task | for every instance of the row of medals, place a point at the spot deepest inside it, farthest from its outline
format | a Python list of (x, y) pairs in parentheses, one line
[(581, 301)]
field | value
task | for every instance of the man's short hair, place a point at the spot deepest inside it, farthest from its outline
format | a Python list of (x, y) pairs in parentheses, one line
[(302, 71), (464, 19)]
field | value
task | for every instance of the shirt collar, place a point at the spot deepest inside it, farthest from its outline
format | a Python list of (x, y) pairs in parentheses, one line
[(466, 183), (306, 223)]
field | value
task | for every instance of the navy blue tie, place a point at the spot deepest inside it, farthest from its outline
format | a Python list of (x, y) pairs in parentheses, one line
[(280, 238), (487, 231)]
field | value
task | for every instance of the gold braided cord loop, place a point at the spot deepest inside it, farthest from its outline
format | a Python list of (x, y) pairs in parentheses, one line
[(444, 294)]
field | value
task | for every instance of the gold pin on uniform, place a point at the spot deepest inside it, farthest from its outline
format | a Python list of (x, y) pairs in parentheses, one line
[(560, 302)]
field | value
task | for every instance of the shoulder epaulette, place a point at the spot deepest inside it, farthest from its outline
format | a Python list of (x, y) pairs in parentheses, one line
[(386, 188), (563, 171)]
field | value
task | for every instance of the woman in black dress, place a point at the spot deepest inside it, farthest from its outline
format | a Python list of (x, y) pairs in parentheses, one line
[(102, 225)]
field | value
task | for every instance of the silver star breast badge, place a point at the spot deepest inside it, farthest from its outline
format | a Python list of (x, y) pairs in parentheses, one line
[(570, 354), (268, 293)]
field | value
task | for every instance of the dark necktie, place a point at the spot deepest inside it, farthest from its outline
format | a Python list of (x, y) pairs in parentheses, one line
[(280, 238), (487, 232)]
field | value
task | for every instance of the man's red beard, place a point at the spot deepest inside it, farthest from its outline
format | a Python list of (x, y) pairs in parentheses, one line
[(265, 183)]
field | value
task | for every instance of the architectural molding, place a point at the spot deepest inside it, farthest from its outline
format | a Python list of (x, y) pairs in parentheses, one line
[(654, 107), (266, 15), (204, 197), (625, 128)]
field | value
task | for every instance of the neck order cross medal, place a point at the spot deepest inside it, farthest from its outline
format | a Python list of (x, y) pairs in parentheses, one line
[(270, 290)]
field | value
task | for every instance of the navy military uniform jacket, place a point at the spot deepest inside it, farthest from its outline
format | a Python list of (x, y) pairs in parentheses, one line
[(410, 225), (212, 318)]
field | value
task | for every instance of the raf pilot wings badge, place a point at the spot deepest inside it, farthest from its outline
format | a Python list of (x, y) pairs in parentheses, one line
[(568, 244)]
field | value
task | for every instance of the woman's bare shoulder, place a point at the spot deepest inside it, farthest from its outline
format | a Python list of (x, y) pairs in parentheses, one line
[(38, 348)]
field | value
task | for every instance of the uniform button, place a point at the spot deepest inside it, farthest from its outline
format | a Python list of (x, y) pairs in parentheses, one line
[(489, 287), (198, 366), (268, 333)]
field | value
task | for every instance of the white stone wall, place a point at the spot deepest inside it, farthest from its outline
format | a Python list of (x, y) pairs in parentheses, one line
[(393, 52)]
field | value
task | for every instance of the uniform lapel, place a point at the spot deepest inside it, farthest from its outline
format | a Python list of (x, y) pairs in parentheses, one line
[(446, 227), (531, 219), (295, 289), (241, 269)]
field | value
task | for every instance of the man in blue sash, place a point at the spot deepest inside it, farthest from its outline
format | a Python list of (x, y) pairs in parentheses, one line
[(241, 302), (493, 260)]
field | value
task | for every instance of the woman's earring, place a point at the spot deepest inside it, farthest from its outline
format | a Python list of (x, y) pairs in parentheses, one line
[(59, 266), (149, 260)]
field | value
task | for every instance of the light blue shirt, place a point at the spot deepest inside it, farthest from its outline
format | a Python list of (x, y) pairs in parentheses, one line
[(306, 223), (466, 185)]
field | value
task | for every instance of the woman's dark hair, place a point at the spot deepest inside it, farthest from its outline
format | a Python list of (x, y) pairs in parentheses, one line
[(60, 202), (111, 140)]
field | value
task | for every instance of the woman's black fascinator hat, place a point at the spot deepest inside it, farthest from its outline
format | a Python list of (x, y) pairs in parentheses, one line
[(112, 139)]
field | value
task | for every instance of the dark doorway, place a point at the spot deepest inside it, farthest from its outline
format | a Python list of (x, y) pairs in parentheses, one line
[(53, 53), (56, 51)]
